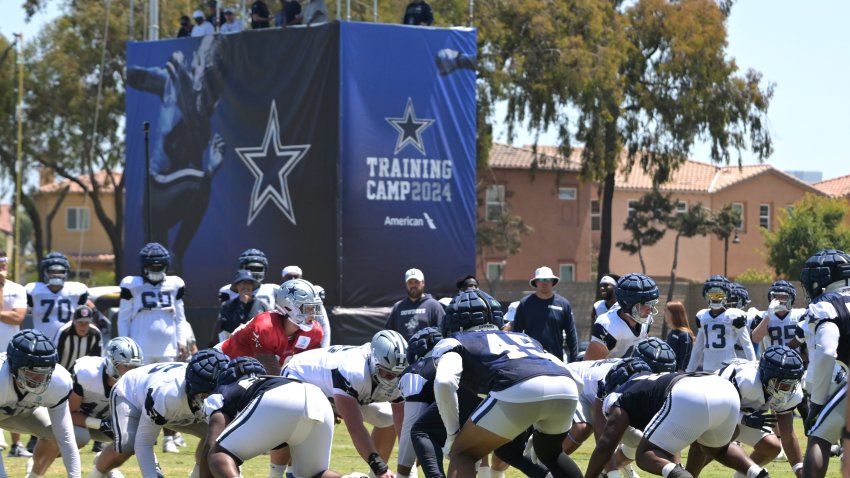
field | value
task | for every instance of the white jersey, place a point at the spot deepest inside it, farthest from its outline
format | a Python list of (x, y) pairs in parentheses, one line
[(265, 293), (159, 391), (14, 297), (716, 339), (600, 308), (12, 403), (152, 315), (780, 330), (50, 310), (341, 370), (746, 378), (616, 334), (588, 374), (92, 383)]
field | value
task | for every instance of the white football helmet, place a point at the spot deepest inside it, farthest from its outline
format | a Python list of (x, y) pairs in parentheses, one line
[(299, 301), (122, 351), (389, 357)]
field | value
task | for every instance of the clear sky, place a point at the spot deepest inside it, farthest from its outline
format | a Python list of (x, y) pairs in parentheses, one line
[(801, 47)]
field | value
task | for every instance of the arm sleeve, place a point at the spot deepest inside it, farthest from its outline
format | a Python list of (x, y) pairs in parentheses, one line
[(572, 335), (822, 361), (446, 384), (326, 330), (146, 435), (412, 411), (696, 352), (63, 431), (125, 312), (180, 318)]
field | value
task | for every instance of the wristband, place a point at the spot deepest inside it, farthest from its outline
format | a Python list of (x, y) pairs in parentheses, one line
[(93, 423), (798, 466), (377, 464)]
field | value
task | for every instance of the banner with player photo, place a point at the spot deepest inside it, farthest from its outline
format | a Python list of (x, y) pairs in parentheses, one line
[(408, 159), (346, 149)]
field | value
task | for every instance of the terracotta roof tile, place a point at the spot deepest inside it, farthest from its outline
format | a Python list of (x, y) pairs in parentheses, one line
[(503, 156), (93, 257), (836, 187), (100, 177)]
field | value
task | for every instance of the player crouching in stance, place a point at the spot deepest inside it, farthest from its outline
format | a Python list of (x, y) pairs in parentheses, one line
[(520, 379), (148, 398), (240, 410), (33, 400)]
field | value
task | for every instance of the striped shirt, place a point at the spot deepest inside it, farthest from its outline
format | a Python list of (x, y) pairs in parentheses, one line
[(71, 346)]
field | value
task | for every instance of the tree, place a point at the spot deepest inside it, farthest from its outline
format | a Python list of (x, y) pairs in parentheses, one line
[(638, 81), (815, 223), (724, 223), (697, 221), (647, 223)]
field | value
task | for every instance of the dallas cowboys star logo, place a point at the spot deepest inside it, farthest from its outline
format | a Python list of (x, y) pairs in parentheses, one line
[(409, 129), (270, 174)]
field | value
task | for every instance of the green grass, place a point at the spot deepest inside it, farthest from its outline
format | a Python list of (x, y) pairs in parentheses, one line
[(345, 460)]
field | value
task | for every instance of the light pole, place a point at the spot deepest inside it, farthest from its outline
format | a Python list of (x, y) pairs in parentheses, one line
[(735, 240)]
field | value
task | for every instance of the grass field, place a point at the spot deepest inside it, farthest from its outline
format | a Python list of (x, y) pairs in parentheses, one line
[(346, 460)]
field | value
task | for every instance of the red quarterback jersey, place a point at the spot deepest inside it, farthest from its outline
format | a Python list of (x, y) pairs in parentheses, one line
[(266, 333)]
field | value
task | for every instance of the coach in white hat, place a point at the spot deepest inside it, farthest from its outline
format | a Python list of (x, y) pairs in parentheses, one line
[(547, 316), (416, 311)]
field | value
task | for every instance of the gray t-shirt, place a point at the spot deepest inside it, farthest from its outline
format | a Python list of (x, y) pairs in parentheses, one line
[(408, 317)]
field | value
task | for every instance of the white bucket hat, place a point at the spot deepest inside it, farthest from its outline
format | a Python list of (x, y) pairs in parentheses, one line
[(544, 273)]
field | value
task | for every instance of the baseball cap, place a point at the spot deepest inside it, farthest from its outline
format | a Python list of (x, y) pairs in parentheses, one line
[(84, 313), (228, 10), (414, 274), (197, 14), (243, 275)]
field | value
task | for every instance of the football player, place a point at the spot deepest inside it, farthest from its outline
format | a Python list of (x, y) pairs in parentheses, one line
[(363, 383), (826, 279), (254, 261), (273, 337), (720, 329), (615, 332), (53, 300), (520, 381), (33, 400), (777, 325), (150, 397), (767, 387), (607, 294)]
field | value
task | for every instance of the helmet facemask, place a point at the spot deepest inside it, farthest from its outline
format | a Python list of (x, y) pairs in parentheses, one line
[(779, 391), (305, 315), (783, 301), (643, 313), (155, 273), (258, 270), (34, 379), (55, 275), (716, 298)]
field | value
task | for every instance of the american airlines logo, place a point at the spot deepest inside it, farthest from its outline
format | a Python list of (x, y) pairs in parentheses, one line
[(410, 221)]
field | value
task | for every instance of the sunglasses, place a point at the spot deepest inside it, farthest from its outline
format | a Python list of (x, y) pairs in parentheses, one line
[(545, 280)]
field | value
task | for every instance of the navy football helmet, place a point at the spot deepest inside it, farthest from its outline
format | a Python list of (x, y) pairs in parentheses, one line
[(472, 310), (739, 296), (239, 368), (422, 342), (715, 291), (54, 268), (781, 370), (623, 371), (657, 354), (155, 260), (255, 261), (825, 271), (32, 358), (202, 374), (783, 292), (635, 290)]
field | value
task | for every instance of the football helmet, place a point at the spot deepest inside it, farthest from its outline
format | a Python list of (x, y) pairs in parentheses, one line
[(422, 342), (239, 368), (657, 354), (622, 372), (388, 357), (155, 260), (715, 291), (54, 268), (739, 296), (255, 261), (472, 309), (202, 373), (122, 351), (32, 358), (299, 301), (781, 370), (784, 293), (825, 271), (637, 295)]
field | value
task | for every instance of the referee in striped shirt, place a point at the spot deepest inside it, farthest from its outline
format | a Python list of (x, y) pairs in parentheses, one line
[(78, 338)]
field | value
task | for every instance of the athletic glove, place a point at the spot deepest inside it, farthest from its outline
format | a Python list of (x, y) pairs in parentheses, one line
[(760, 420), (106, 428)]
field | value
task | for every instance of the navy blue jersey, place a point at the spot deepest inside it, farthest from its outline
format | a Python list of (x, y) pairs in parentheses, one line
[(417, 381), (495, 360), (841, 318), (238, 395), (643, 395)]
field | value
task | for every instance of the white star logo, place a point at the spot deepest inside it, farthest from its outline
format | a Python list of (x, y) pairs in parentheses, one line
[(409, 129), (264, 163)]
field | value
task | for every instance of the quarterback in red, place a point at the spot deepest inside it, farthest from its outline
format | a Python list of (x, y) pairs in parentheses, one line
[(272, 337)]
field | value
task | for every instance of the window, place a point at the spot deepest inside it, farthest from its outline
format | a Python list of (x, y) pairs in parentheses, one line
[(495, 202), (494, 270), (681, 208), (764, 216), (595, 215), (740, 208), (567, 194), (83, 274), (77, 219), (567, 272), (632, 206)]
